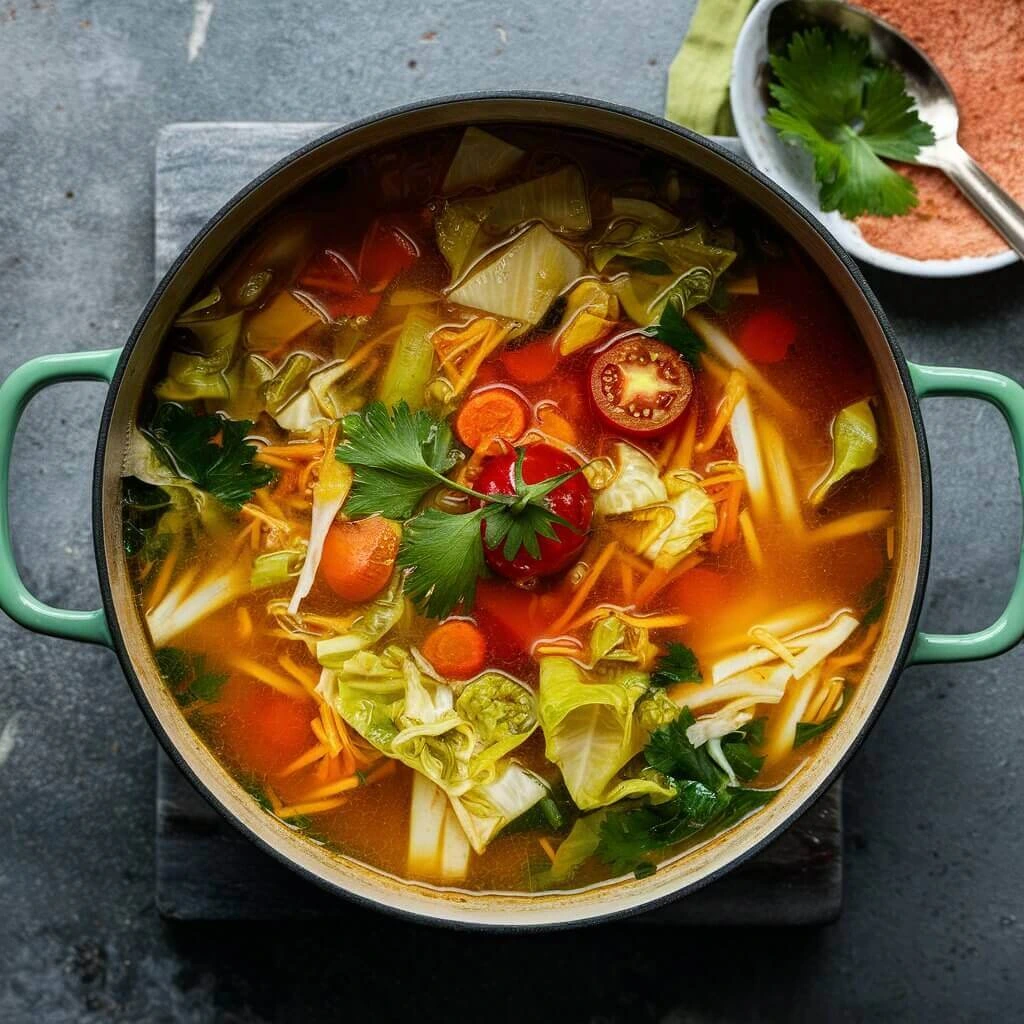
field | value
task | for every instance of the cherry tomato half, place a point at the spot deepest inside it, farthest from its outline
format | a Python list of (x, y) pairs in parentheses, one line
[(571, 500), (640, 386)]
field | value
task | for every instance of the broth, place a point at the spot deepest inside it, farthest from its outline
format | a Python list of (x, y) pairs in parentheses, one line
[(736, 586)]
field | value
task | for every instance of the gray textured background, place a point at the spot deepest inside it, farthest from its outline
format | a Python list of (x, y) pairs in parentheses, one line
[(934, 922)]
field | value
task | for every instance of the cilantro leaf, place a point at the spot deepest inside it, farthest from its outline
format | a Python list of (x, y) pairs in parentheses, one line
[(675, 332), (670, 752), (848, 112), (446, 555), (679, 665), (187, 676), (186, 443), (398, 457)]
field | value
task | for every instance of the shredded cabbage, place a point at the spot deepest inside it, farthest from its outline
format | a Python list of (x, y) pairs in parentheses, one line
[(636, 483)]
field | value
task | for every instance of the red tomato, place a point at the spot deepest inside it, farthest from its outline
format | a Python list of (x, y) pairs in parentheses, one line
[(640, 386), (532, 363), (767, 336), (387, 251), (570, 500), (332, 281), (264, 729)]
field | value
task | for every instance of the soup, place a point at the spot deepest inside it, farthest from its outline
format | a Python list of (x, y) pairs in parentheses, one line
[(512, 511)]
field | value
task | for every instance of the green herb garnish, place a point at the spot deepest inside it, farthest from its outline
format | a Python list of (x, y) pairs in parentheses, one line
[(187, 676), (848, 111), (398, 458), (705, 800), (678, 665), (211, 451), (675, 332)]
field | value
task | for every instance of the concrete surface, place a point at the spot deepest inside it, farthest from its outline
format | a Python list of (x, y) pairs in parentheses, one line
[(934, 923)]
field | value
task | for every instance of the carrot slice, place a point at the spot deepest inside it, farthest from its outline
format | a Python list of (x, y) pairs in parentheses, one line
[(489, 413), (457, 649), (532, 363), (359, 557), (767, 336)]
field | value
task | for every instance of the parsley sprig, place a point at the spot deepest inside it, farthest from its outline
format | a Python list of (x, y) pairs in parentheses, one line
[(678, 665), (675, 332), (849, 112), (398, 458), (211, 451)]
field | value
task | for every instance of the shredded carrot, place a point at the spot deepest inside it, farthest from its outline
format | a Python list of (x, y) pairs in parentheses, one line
[(640, 621), (363, 351), (549, 850), (563, 648), (732, 511), (315, 807), (635, 562), (273, 460), (333, 741), (735, 389), (319, 732), (463, 339), (588, 584), (861, 651), (657, 579), (304, 475), (333, 788), (163, 578), (267, 676), (257, 513), (302, 450), (626, 580), (721, 478), (304, 760), (306, 677), (726, 517), (267, 503), (682, 457), (890, 542), (244, 623), (489, 345), (382, 771)]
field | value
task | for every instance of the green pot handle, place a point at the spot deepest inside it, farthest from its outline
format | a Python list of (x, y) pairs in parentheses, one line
[(1008, 397), (15, 393)]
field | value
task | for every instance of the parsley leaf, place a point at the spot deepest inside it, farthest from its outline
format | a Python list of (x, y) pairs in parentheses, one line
[(446, 555), (186, 443), (397, 456), (187, 676), (675, 332), (848, 112), (679, 665)]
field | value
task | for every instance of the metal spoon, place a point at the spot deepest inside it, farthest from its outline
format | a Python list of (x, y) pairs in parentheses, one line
[(936, 104)]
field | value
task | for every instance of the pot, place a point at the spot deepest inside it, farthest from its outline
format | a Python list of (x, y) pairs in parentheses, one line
[(117, 624)]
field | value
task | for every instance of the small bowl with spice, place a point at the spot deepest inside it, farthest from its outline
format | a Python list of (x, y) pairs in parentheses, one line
[(823, 113)]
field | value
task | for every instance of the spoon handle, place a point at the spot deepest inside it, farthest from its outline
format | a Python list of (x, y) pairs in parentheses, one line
[(999, 209)]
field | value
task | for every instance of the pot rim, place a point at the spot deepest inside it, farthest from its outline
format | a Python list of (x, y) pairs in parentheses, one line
[(899, 662)]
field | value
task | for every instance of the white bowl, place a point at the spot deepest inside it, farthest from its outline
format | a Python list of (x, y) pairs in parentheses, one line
[(792, 168)]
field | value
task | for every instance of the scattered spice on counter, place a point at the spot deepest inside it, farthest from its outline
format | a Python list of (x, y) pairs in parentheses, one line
[(978, 47)]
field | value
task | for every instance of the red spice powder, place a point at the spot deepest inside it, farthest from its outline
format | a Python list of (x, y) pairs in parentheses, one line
[(979, 47)]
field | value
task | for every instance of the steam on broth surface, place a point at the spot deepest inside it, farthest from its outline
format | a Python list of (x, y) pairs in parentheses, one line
[(512, 511)]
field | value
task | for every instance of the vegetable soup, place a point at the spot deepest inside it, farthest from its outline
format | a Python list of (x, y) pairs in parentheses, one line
[(512, 511)]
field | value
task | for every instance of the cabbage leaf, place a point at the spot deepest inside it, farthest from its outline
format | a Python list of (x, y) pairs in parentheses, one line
[(461, 745), (592, 731), (522, 281), (481, 159), (854, 446), (636, 483)]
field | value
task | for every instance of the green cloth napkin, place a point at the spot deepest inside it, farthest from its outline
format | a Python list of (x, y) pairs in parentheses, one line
[(698, 78)]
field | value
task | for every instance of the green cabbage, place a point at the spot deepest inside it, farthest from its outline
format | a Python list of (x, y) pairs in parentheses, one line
[(854, 446), (481, 159), (412, 358), (523, 280), (636, 483), (693, 516), (200, 372), (459, 745), (592, 731), (377, 620), (466, 228), (652, 269)]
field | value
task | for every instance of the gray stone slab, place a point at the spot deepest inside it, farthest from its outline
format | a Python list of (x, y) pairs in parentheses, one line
[(933, 927)]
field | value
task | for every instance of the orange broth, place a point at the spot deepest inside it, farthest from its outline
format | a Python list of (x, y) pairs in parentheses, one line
[(261, 729)]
